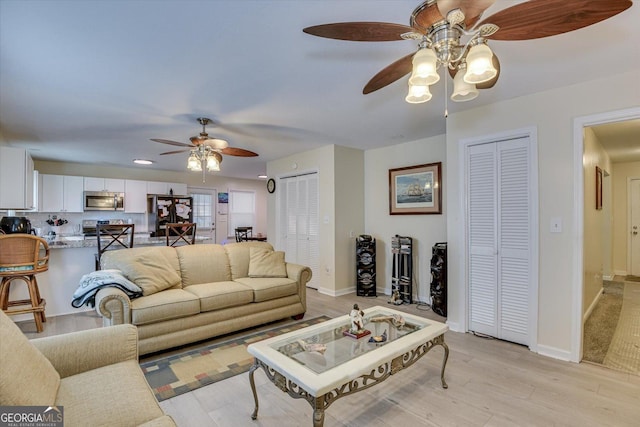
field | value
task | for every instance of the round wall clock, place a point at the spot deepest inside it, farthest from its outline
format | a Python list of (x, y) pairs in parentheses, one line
[(271, 185)]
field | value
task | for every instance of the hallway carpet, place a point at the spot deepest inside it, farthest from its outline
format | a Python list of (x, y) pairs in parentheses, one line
[(624, 350), (600, 327)]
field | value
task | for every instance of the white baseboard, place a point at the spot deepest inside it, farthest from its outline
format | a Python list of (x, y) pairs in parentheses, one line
[(553, 352), (454, 326), (592, 306), (608, 277), (620, 272)]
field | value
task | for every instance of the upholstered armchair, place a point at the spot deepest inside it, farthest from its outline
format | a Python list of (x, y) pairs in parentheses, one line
[(94, 375)]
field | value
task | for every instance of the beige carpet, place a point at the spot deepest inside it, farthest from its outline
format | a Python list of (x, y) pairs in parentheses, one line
[(624, 351), (602, 323)]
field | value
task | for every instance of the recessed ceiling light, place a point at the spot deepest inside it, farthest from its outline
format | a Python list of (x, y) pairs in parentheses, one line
[(143, 161), (262, 176)]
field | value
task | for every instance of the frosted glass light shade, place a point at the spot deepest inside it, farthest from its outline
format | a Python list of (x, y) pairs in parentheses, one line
[(463, 91), (213, 162), (425, 73), (194, 163), (480, 67), (418, 94)]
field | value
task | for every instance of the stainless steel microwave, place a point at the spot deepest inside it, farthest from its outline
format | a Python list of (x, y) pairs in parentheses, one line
[(103, 201)]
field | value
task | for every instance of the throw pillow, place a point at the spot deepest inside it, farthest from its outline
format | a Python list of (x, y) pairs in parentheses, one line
[(266, 263), (151, 268)]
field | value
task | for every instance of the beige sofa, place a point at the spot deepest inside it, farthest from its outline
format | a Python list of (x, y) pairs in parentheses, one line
[(93, 375), (195, 292)]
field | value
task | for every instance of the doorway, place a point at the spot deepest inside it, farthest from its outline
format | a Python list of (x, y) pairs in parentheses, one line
[(204, 211), (580, 306)]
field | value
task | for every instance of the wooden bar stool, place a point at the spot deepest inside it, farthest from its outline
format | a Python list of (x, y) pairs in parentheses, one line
[(22, 256)]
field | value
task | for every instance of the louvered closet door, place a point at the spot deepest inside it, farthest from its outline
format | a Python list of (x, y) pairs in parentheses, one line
[(299, 222), (499, 238)]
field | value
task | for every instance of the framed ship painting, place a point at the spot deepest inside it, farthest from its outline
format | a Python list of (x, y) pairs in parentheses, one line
[(415, 190)]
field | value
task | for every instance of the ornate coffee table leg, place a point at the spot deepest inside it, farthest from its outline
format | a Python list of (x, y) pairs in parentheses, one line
[(440, 341), (318, 412), (253, 388)]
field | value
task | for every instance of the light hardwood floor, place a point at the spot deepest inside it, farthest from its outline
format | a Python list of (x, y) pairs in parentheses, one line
[(491, 383)]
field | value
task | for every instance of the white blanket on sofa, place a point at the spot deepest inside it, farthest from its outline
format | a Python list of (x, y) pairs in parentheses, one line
[(92, 282)]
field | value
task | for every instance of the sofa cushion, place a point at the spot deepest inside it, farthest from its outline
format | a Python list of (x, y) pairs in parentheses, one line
[(26, 376), (238, 254), (165, 305), (154, 268), (266, 263), (217, 295), (265, 289), (90, 398), (203, 264)]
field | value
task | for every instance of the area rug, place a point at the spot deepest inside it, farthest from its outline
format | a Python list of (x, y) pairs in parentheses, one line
[(624, 351), (188, 371)]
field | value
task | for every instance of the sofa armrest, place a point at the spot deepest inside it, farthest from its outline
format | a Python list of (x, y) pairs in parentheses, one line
[(301, 274), (114, 306), (82, 351)]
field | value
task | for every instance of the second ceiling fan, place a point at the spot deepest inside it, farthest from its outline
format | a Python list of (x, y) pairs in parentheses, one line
[(206, 152), (450, 35)]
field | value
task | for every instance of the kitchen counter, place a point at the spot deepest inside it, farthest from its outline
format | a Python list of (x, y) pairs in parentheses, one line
[(65, 242)]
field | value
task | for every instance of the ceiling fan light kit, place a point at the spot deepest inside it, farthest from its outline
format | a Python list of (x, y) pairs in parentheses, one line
[(205, 153), (440, 26)]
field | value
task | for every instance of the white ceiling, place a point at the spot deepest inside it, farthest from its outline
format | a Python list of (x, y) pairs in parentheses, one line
[(93, 81)]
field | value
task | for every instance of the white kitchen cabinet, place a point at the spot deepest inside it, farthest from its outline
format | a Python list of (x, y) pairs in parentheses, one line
[(178, 188), (61, 193), (157, 187), (16, 179), (135, 196), (104, 184)]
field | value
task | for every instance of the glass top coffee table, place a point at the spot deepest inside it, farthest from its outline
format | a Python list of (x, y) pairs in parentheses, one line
[(320, 364)]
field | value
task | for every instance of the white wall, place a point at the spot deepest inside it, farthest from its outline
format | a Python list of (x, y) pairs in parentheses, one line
[(350, 205), (594, 255), (320, 160), (424, 229), (553, 113)]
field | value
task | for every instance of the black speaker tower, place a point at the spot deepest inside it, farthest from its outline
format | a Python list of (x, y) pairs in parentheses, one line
[(365, 266), (439, 279)]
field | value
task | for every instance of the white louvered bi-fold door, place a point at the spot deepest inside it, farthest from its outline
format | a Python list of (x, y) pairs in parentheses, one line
[(299, 222), (498, 201)]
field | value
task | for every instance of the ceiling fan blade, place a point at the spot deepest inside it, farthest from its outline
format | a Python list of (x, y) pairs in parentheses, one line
[(176, 143), (174, 152), (543, 18), (472, 9), (390, 74), (360, 31), (240, 152), (425, 15)]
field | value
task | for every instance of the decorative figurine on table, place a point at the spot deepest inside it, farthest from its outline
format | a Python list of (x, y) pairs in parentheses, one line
[(379, 338), (357, 329)]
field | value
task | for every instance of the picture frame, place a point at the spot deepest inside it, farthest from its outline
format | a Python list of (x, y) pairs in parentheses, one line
[(598, 188), (416, 190)]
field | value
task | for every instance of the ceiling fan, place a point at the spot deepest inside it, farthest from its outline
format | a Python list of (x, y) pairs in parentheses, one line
[(450, 34), (206, 152)]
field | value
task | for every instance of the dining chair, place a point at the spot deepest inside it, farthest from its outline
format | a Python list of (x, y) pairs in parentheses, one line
[(243, 233), (22, 257), (113, 236), (181, 233)]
